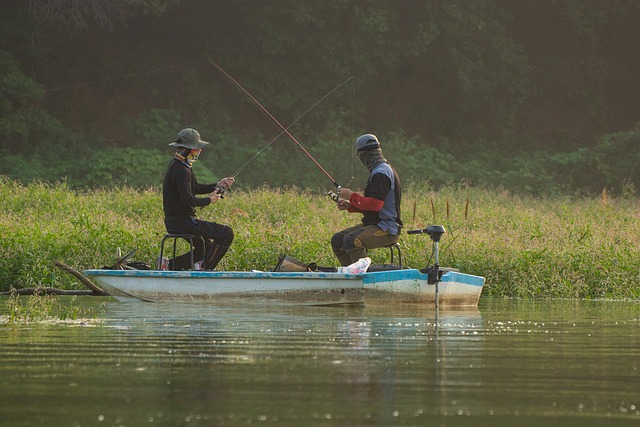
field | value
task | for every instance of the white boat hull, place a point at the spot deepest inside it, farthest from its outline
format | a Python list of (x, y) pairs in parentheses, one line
[(311, 288)]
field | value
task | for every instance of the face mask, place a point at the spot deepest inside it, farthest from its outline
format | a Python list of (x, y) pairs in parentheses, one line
[(193, 156), (371, 158), (188, 156)]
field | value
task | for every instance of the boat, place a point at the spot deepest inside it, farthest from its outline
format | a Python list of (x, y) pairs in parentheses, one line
[(432, 286)]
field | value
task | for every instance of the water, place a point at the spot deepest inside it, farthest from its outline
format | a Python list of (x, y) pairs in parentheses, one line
[(508, 363)]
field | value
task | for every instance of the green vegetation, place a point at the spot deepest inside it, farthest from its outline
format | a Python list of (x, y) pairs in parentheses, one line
[(45, 309), (526, 247), (536, 96)]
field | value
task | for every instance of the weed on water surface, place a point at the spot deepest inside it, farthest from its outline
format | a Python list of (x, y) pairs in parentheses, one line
[(45, 309)]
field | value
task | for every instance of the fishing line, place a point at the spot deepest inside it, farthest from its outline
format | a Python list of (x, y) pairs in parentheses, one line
[(353, 125), (142, 73), (252, 159), (275, 121)]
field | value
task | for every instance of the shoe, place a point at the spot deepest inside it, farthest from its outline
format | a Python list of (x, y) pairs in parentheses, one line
[(162, 264)]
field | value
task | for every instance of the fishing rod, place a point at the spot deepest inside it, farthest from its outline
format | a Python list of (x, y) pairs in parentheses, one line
[(279, 125), (252, 159)]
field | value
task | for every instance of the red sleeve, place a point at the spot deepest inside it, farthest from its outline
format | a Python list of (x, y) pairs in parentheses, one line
[(365, 203)]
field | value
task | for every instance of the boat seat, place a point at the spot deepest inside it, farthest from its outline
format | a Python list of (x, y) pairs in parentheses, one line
[(190, 238), (393, 248)]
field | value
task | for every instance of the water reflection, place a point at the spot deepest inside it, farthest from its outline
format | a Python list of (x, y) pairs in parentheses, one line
[(505, 363)]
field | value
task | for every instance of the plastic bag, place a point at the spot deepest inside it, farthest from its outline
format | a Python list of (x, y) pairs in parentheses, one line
[(357, 267)]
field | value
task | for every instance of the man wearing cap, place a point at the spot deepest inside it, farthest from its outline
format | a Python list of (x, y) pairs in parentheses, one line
[(179, 201), (380, 206)]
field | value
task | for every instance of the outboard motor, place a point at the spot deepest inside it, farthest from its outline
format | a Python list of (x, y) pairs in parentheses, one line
[(434, 273), (435, 232)]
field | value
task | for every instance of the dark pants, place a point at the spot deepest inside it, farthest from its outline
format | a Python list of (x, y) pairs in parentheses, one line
[(217, 240), (351, 244)]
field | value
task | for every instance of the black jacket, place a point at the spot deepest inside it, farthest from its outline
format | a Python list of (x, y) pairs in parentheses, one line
[(179, 189)]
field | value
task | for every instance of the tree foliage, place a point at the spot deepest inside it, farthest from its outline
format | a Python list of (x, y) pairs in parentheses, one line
[(93, 14), (525, 94)]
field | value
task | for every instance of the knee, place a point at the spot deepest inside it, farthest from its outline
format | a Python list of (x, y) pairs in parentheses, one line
[(352, 242), (228, 234), (337, 240)]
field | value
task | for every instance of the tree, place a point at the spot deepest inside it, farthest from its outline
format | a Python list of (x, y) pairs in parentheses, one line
[(93, 14)]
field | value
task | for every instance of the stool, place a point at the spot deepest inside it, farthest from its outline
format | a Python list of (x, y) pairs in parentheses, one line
[(392, 248), (189, 238), (396, 246)]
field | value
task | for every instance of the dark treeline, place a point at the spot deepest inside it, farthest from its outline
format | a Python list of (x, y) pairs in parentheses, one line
[(539, 96)]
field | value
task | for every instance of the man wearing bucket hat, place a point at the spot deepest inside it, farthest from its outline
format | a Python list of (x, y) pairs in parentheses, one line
[(179, 201), (379, 206)]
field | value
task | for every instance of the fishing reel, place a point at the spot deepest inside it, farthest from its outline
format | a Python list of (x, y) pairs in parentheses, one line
[(221, 190), (335, 195)]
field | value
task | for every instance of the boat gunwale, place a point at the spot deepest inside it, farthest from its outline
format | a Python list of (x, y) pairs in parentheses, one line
[(223, 274)]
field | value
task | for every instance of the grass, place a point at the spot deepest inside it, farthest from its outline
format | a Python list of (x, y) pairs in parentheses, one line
[(560, 247)]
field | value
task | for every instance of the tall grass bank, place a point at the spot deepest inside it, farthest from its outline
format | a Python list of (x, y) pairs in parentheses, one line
[(560, 247)]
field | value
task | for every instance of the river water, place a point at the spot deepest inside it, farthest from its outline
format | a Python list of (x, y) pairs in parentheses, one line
[(508, 363)]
